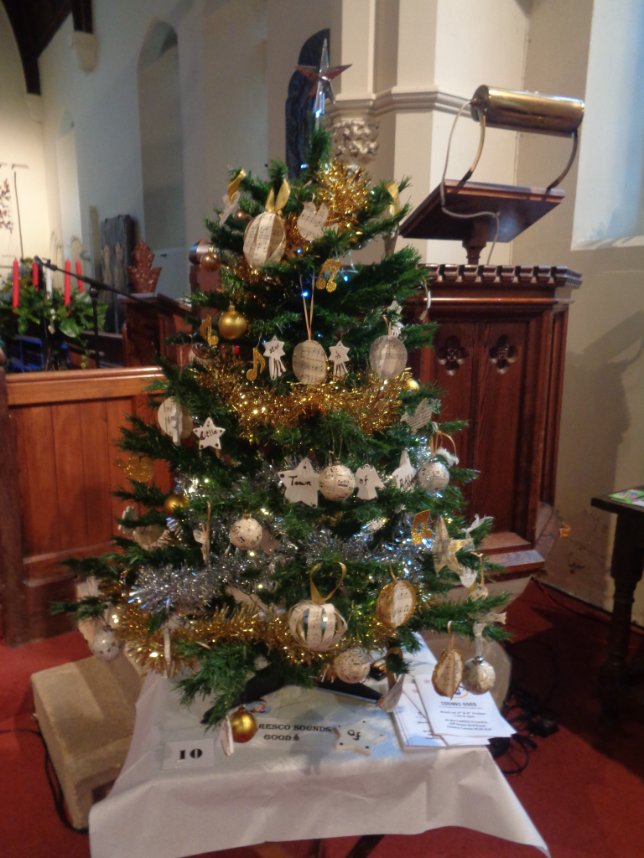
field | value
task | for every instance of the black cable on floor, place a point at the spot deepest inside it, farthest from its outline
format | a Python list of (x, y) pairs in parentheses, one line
[(52, 779)]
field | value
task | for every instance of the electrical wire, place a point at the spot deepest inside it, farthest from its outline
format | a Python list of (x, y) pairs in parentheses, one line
[(52, 779), (459, 215)]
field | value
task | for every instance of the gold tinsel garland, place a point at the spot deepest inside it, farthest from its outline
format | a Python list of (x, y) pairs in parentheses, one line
[(345, 190), (374, 406)]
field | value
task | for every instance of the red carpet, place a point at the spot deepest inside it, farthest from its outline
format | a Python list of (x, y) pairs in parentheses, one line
[(582, 785)]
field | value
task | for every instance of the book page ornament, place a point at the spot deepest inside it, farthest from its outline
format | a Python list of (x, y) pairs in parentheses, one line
[(352, 665), (315, 623), (336, 482), (309, 362), (174, 420), (447, 674), (311, 221), (396, 603), (339, 357), (246, 533), (387, 356), (265, 235), (404, 474)]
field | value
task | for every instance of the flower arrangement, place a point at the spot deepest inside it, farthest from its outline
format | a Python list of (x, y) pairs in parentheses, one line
[(56, 317)]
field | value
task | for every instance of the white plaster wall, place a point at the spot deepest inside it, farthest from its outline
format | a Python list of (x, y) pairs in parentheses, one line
[(21, 142), (601, 447)]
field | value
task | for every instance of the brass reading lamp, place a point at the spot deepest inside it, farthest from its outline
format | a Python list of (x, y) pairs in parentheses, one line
[(476, 212)]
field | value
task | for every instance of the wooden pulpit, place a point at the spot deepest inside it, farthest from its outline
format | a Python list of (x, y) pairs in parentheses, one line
[(499, 359)]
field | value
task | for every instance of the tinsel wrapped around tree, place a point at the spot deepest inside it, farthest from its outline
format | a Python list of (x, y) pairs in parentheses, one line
[(315, 521)]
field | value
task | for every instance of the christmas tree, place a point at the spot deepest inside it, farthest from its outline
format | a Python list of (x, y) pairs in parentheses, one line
[(316, 520)]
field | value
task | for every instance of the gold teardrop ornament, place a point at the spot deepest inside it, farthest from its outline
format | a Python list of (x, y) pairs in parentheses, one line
[(448, 672)]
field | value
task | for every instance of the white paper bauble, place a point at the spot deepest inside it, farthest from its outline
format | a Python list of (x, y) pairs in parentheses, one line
[(387, 356), (337, 482), (174, 420), (316, 627), (246, 533), (309, 362), (105, 644), (264, 239), (433, 476), (352, 665), (478, 675)]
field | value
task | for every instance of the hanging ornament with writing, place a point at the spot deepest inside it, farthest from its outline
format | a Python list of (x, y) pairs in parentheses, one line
[(274, 351), (301, 483), (336, 482), (339, 357), (315, 623), (396, 602), (209, 435), (404, 474), (246, 533), (368, 482), (447, 674), (387, 355), (174, 420)]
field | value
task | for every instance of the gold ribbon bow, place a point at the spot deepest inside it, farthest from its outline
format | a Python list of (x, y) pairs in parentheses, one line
[(233, 185), (394, 193), (316, 596), (276, 204)]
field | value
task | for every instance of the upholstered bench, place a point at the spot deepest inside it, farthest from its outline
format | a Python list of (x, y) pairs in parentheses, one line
[(85, 710)]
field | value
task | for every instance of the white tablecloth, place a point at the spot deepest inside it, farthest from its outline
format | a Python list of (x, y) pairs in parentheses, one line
[(277, 791)]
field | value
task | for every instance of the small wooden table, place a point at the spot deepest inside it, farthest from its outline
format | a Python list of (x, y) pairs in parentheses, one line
[(626, 568)]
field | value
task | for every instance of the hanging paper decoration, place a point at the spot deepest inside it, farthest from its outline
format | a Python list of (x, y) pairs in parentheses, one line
[(433, 476), (311, 221), (246, 533), (387, 356), (301, 483), (327, 275), (209, 435), (174, 420), (205, 330), (368, 482), (396, 603), (420, 529), (421, 415), (317, 624), (105, 644), (231, 197), (274, 351), (265, 236), (259, 365), (336, 482), (479, 675), (446, 676), (394, 316), (339, 357), (309, 358), (444, 548), (404, 474), (352, 665)]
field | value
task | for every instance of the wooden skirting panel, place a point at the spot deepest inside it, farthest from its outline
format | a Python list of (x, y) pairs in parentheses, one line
[(64, 428)]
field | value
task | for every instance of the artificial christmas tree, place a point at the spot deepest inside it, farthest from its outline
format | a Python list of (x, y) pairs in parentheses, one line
[(315, 522)]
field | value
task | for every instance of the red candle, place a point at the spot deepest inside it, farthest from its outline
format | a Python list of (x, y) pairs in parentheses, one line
[(79, 272), (35, 274), (68, 282), (16, 284)]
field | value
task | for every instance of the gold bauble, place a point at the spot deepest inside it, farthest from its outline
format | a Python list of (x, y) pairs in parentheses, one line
[(243, 725), (412, 384), (173, 503), (210, 261), (232, 324)]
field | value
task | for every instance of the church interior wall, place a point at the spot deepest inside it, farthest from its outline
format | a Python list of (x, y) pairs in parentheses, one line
[(413, 62)]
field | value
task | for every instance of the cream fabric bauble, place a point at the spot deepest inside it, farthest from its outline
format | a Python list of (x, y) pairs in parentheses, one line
[(105, 644), (387, 356), (478, 675), (246, 533), (352, 665), (309, 362), (337, 482), (433, 476), (316, 627), (264, 240)]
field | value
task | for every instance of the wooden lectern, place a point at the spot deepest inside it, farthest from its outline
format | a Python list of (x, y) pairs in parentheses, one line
[(499, 358)]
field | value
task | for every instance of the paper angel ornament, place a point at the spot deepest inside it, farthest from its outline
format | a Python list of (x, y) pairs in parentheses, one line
[(368, 482), (404, 474)]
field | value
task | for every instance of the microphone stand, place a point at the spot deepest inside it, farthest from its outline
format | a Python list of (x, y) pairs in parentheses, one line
[(95, 287)]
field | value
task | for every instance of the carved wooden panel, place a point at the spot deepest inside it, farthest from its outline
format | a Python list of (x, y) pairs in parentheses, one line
[(66, 426)]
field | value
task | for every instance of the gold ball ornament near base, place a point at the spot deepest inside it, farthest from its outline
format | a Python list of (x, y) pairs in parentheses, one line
[(243, 725), (232, 324), (210, 261), (173, 503)]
